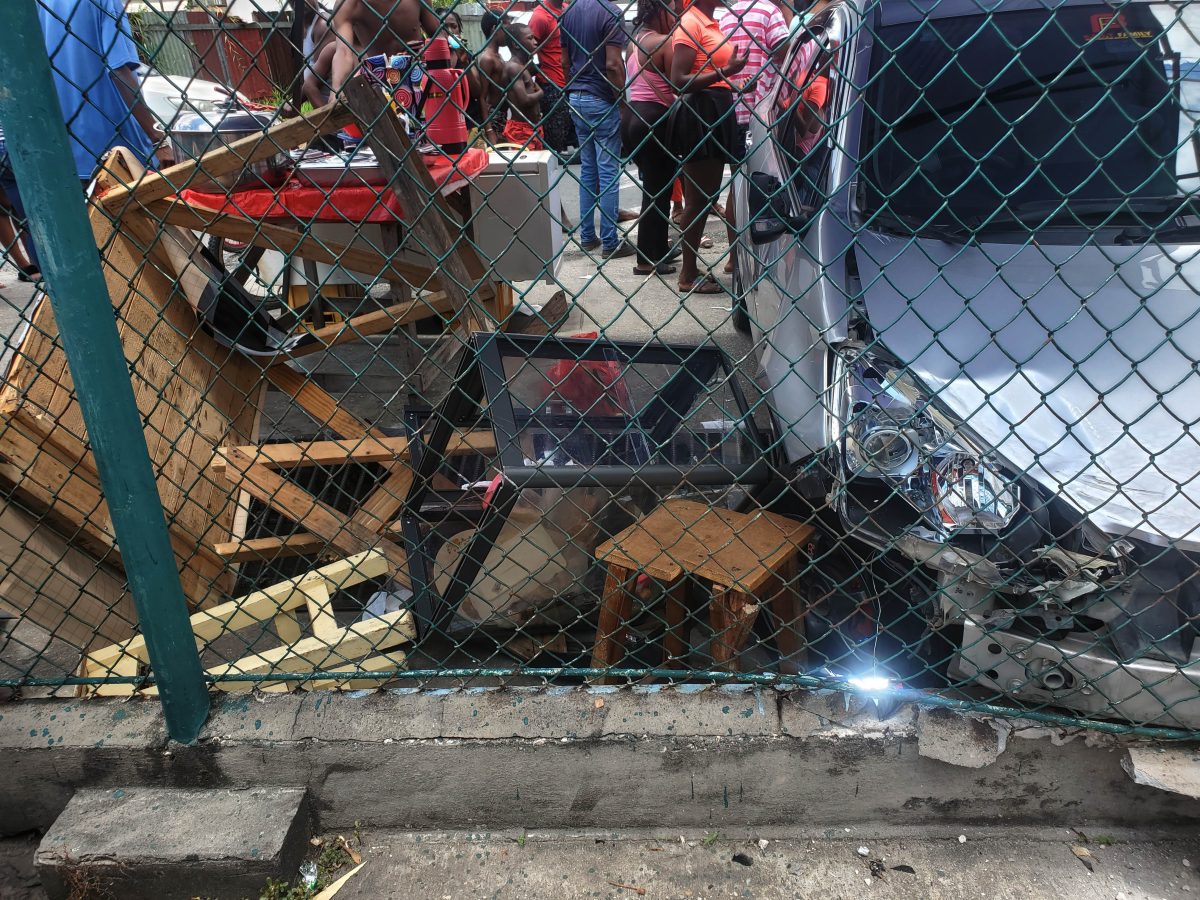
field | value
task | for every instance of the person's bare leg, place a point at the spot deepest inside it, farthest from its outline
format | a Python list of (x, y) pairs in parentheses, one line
[(701, 181), (9, 244)]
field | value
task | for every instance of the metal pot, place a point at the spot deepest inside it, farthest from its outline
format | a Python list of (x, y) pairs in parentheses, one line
[(193, 135)]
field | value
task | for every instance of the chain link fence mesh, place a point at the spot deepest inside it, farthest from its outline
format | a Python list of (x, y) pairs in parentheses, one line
[(885, 385)]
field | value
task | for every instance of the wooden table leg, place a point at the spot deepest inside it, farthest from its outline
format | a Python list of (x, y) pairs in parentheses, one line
[(789, 614), (674, 646), (732, 614), (616, 606)]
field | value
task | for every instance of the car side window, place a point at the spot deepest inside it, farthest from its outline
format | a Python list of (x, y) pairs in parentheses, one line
[(803, 105)]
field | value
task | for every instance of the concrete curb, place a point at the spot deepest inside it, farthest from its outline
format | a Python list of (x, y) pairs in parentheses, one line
[(584, 757)]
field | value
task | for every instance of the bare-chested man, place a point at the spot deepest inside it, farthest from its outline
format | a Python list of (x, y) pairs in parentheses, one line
[(523, 93), (369, 27), (492, 82)]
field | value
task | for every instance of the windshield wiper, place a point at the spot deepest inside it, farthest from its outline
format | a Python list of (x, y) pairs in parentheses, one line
[(905, 225), (1133, 236)]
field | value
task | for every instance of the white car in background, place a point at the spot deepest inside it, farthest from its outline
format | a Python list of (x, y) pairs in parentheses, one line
[(169, 95)]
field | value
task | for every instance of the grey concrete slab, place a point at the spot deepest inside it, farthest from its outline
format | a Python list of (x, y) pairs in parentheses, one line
[(644, 758), (701, 866), (162, 844), (957, 739)]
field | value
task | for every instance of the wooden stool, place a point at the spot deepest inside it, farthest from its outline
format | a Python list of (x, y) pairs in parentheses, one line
[(739, 553)]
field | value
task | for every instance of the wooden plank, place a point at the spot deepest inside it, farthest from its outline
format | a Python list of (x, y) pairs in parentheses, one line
[(193, 395), (380, 509), (360, 450), (287, 628), (59, 461), (393, 661), (320, 609), (427, 214), (51, 485), (377, 322), (255, 608), (386, 501), (49, 581), (262, 549), (293, 242), (322, 453), (547, 320), (317, 402), (231, 158), (357, 640), (301, 507)]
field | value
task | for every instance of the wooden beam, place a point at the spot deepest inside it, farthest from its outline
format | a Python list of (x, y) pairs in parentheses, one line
[(303, 508), (322, 453), (256, 608), (362, 450), (427, 216), (318, 403), (262, 549), (233, 157), (376, 322), (357, 640), (293, 242), (320, 610)]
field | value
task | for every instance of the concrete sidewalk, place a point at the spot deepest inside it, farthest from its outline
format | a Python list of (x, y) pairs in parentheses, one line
[(701, 866), (992, 865)]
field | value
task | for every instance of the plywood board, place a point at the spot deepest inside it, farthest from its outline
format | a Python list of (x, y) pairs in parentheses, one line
[(58, 587), (193, 394)]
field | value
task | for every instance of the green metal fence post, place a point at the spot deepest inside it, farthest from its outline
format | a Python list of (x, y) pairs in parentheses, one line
[(41, 157)]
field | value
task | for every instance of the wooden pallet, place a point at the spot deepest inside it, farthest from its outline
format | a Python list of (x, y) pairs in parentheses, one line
[(366, 645)]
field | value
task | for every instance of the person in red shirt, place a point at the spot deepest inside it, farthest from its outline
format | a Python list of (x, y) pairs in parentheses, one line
[(556, 127)]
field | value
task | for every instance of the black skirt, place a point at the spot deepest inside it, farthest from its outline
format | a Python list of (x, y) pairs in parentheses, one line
[(703, 125)]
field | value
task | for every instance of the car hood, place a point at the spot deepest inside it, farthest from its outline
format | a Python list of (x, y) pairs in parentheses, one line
[(1078, 364)]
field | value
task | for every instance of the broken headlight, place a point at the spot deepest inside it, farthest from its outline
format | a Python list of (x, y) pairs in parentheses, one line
[(896, 445)]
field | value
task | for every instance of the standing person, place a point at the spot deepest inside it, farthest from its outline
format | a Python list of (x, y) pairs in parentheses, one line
[(594, 41), (651, 97), (703, 129), (557, 126), (758, 29), (10, 243), (363, 28), (490, 75), (93, 60), (460, 55), (523, 94)]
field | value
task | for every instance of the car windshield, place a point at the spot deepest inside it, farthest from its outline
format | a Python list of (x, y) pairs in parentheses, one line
[(1071, 117)]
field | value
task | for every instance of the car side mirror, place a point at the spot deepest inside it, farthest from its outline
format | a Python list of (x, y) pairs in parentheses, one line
[(770, 213)]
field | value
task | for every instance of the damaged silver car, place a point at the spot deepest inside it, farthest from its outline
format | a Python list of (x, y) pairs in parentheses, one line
[(971, 266)]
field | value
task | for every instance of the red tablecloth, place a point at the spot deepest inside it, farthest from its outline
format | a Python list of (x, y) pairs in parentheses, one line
[(295, 201)]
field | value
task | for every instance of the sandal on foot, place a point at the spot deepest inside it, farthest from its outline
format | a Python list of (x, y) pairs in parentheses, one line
[(706, 243), (705, 285), (660, 269)]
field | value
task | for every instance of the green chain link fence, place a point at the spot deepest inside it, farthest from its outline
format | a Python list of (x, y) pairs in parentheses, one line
[(887, 388)]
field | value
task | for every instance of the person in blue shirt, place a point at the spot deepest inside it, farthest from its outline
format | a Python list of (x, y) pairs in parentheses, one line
[(93, 59), (593, 41)]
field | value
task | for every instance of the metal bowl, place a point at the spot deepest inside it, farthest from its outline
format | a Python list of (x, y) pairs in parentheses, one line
[(196, 134)]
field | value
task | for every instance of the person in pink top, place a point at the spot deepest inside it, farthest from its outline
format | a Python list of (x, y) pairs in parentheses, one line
[(649, 97), (758, 29)]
